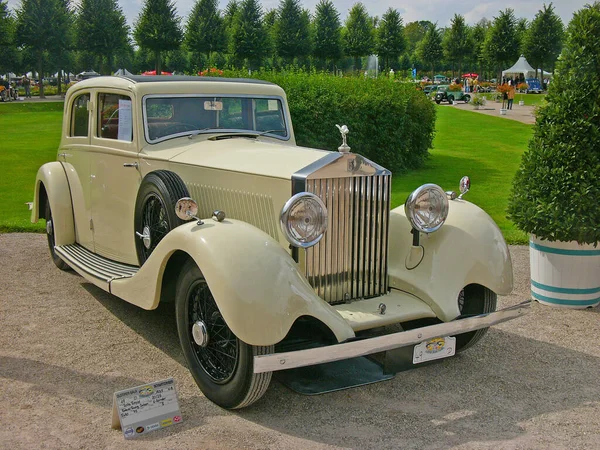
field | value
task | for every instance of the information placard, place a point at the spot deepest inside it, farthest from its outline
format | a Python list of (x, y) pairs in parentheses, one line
[(146, 408)]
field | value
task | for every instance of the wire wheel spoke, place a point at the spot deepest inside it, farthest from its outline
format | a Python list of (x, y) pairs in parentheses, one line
[(219, 357)]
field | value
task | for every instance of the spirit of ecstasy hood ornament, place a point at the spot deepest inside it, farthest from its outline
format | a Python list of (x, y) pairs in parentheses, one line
[(344, 148)]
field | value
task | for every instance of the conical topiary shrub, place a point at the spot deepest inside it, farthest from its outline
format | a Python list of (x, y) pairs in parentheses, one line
[(556, 191)]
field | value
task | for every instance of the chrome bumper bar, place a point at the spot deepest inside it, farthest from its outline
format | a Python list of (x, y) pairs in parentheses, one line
[(309, 357)]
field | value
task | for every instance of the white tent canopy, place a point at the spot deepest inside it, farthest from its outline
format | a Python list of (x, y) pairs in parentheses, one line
[(123, 72), (521, 66)]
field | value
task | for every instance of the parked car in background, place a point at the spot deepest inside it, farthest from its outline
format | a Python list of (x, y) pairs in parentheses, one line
[(192, 190), (534, 86), (444, 94), (430, 89)]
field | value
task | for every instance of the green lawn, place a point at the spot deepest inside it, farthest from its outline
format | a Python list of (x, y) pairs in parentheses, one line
[(486, 148), (29, 137)]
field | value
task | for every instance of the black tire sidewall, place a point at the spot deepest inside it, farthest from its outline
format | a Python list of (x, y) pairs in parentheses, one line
[(168, 188), (58, 262), (232, 393)]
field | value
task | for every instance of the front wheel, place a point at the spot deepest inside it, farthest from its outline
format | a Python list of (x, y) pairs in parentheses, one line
[(467, 98), (221, 364), (474, 300)]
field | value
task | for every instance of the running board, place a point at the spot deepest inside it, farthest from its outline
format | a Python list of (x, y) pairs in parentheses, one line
[(90, 264)]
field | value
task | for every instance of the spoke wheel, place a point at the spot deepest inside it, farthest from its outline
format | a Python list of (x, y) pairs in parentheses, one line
[(222, 365), (155, 210), (219, 354), (473, 300)]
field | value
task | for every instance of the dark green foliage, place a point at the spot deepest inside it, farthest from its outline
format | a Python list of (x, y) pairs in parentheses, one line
[(390, 123), (205, 32), (457, 43), (8, 50), (292, 35), (43, 26), (430, 49), (328, 32), (501, 43), (556, 189), (390, 41), (157, 29), (249, 38), (358, 34), (544, 39), (102, 31)]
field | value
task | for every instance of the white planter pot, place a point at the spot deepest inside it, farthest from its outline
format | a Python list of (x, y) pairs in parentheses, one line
[(521, 103), (564, 274), (502, 111)]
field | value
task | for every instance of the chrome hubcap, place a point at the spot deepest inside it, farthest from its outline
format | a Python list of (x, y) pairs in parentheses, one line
[(146, 237), (200, 333)]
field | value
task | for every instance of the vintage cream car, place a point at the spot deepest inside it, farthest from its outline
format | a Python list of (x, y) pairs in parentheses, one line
[(193, 190)]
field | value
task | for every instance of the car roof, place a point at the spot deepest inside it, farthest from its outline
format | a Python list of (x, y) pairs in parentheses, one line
[(173, 78)]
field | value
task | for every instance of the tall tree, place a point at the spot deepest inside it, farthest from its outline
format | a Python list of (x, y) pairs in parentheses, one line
[(457, 43), (544, 39), (430, 49), (205, 31), (249, 39), (327, 32), (157, 29), (8, 51), (42, 26), (292, 35), (478, 35), (358, 34), (390, 43), (414, 32), (501, 42), (102, 31)]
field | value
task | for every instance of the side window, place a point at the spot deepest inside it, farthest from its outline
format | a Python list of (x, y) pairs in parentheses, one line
[(114, 117), (80, 116)]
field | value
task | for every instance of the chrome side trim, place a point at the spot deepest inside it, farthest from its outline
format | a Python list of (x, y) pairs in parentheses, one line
[(337, 352)]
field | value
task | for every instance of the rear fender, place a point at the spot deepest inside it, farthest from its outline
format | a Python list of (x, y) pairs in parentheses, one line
[(51, 185), (468, 249), (255, 282)]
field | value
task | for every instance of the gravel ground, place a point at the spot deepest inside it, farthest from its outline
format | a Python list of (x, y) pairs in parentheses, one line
[(66, 346)]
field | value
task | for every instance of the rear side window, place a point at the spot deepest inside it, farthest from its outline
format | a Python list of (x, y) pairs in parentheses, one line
[(114, 117), (80, 117)]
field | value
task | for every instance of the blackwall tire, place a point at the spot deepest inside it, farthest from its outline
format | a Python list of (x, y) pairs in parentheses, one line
[(473, 300), (58, 262), (155, 210), (222, 365)]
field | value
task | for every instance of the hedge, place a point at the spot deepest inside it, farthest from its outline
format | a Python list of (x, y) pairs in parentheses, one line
[(390, 123)]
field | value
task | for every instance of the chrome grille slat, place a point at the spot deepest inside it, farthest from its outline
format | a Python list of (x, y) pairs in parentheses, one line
[(351, 259)]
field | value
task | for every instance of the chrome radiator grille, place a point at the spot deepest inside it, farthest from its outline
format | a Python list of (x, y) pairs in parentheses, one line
[(350, 261)]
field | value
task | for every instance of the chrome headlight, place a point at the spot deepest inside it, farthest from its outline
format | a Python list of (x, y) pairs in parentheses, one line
[(303, 219), (427, 208)]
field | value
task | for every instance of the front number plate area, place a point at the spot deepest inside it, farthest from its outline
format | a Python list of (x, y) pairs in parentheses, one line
[(437, 348)]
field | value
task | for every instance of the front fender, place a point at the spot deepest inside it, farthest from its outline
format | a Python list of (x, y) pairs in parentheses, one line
[(468, 249), (54, 181), (254, 281)]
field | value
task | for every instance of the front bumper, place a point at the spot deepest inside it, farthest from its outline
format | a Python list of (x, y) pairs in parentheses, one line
[(346, 350)]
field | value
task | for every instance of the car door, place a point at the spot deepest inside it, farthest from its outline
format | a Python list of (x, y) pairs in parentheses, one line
[(74, 155), (115, 175)]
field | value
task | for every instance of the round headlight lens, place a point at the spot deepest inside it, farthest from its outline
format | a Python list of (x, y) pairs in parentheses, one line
[(427, 208), (304, 219)]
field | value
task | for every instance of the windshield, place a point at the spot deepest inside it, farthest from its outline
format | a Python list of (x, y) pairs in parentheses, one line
[(167, 117)]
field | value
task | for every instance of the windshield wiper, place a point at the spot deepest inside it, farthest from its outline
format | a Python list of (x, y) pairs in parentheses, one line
[(244, 133), (197, 132)]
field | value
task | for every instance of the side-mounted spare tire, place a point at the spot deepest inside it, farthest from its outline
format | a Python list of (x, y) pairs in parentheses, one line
[(155, 210)]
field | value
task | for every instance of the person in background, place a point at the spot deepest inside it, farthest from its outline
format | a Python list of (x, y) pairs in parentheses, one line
[(511, 96), (27, 85)]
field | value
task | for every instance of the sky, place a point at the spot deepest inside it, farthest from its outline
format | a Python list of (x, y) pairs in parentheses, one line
[(440, 11)]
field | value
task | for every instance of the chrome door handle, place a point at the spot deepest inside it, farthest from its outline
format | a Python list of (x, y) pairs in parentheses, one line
[(133, 164), (64, 155)]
